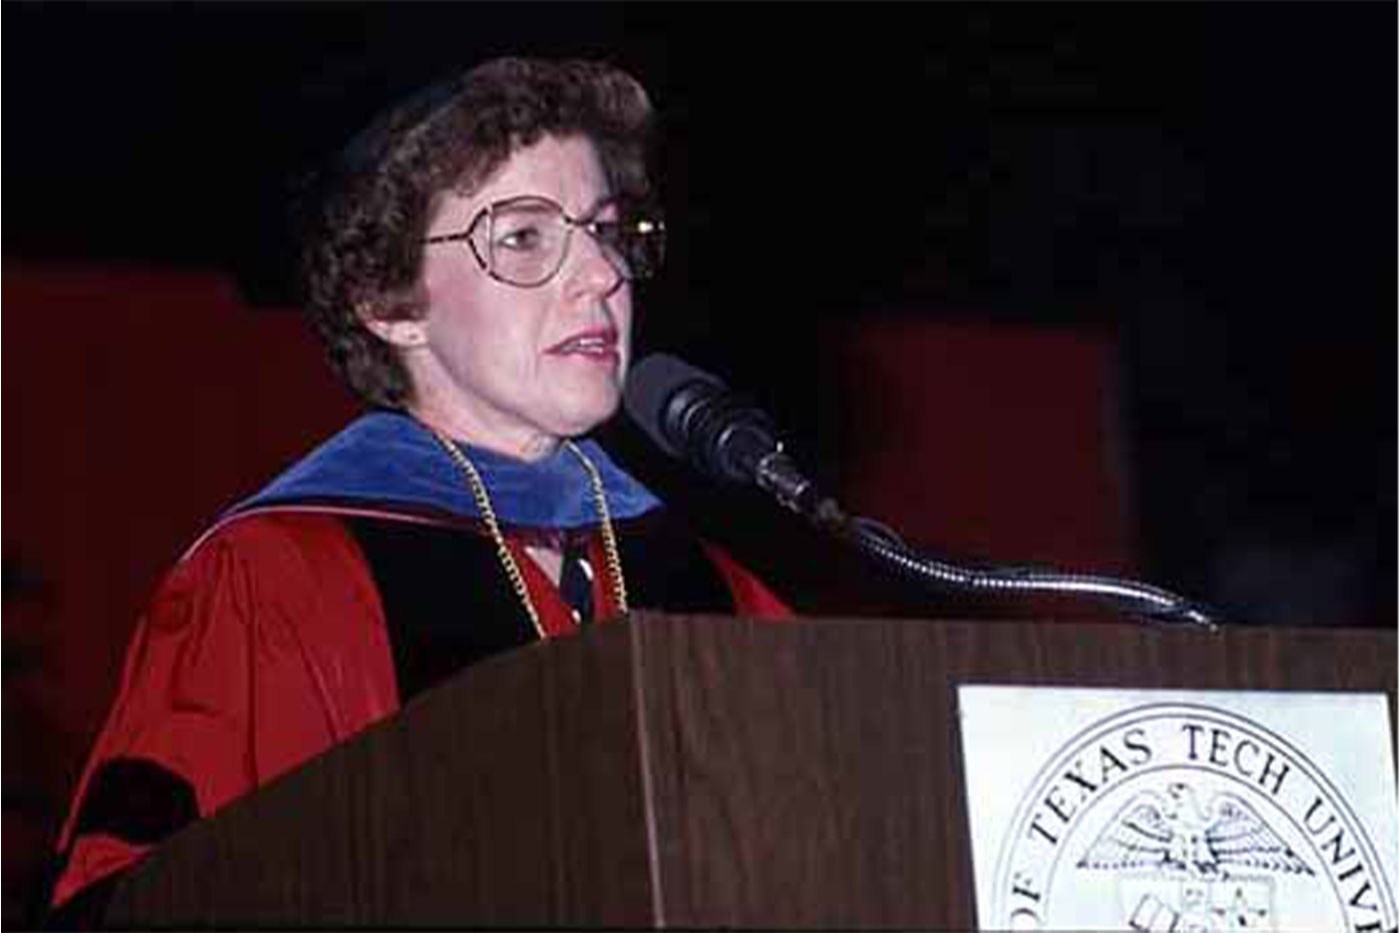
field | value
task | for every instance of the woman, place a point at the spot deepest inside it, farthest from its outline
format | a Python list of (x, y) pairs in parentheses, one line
[(470, 271)]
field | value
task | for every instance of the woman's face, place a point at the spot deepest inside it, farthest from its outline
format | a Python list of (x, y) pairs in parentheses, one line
[(517, 369)]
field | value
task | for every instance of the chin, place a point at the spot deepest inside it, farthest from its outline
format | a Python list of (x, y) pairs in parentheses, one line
[(585, 417)]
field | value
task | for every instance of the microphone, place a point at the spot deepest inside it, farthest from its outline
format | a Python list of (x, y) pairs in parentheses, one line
[(693, 416)]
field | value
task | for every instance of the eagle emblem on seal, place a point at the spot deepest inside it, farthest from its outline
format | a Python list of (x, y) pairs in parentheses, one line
[(1170, 831)]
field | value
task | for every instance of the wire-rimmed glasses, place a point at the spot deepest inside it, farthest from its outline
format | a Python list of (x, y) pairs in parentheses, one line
[(523, 241)]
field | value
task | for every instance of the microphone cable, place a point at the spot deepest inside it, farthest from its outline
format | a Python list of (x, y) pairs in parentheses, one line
[(884, 545)]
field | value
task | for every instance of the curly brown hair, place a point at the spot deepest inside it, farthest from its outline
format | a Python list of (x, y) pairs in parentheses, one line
[(362, 240)]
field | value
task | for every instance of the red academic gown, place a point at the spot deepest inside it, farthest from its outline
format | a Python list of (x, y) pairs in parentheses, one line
[(268, 643)]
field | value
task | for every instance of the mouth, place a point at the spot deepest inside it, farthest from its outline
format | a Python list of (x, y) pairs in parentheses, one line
[(600, 343)]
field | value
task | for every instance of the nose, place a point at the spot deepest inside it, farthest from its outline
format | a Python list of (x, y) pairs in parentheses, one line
[(594, 270)]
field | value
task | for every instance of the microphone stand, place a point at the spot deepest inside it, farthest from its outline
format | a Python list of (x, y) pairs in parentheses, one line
[(778, 475)]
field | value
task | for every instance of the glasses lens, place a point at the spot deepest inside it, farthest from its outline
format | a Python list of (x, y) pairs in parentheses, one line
[(527, 241), (636, 244)]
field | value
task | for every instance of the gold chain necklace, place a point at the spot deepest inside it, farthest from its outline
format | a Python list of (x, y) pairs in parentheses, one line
[(512, 569)]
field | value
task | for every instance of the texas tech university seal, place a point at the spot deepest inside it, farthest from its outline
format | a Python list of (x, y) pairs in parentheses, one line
[(1182, 816)]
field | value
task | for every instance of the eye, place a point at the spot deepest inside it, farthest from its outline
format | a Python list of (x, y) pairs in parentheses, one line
[(522, 238)]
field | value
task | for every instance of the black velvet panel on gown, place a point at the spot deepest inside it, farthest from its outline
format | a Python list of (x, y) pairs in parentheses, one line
[(449, 603)]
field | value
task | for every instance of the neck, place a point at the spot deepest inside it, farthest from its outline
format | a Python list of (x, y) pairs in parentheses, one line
[(524, 445)]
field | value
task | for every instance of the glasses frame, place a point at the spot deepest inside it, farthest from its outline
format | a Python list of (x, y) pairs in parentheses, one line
[(619, 263)]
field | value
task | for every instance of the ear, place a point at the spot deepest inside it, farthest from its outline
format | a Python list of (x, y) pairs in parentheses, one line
[(404, 333)]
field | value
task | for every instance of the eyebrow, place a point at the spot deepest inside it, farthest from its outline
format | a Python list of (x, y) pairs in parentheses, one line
[(589, 213)]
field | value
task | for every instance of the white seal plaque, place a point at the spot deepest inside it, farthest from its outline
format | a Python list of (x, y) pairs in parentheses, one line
[(1180, 810)]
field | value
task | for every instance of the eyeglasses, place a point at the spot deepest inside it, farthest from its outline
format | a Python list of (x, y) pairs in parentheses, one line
[(524, 241)]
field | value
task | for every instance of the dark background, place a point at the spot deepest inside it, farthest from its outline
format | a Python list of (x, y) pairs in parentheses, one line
[(1207, 189)]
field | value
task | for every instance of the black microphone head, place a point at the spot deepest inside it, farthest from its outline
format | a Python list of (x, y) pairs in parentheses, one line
[(692, 416), (652, 385)]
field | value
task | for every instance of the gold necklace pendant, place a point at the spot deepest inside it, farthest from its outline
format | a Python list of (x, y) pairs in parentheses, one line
[(503, 553)]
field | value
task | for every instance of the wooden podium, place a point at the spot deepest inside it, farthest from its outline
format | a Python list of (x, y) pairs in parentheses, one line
[(681, 772)]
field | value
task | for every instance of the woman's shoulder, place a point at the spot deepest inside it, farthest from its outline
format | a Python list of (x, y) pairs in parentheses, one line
[(284, 562), (270, 535)]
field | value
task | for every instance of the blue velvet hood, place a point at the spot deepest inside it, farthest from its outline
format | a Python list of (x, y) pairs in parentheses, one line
[(386, 458)]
